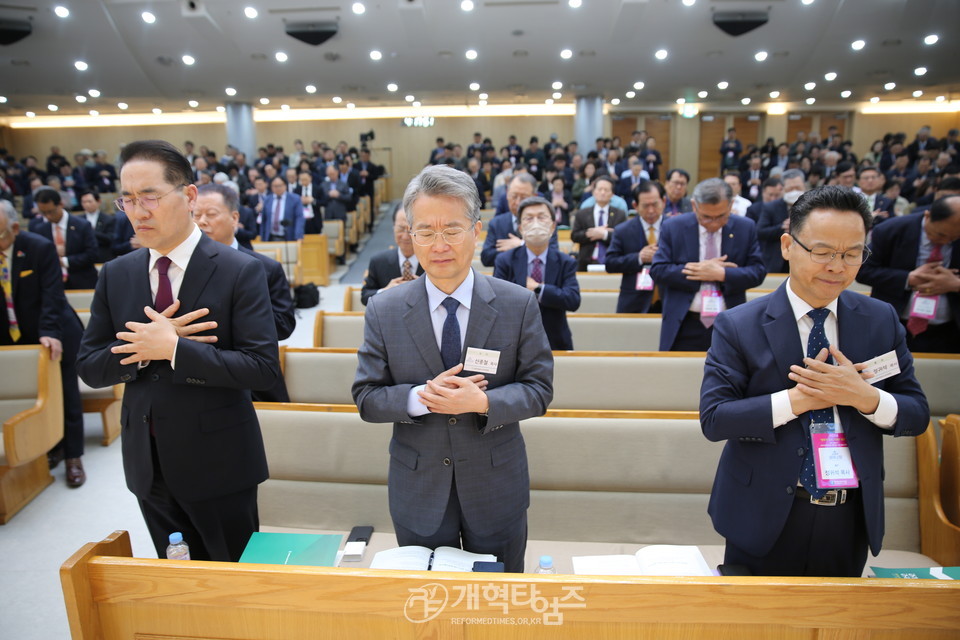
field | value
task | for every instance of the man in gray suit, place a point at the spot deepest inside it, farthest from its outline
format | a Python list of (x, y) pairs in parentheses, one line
[(458, 465)]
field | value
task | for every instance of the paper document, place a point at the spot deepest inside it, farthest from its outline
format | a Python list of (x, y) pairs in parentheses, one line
[(652, 560)]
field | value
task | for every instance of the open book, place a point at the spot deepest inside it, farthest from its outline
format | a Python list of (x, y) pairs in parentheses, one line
[(413, 558), (652, 560)]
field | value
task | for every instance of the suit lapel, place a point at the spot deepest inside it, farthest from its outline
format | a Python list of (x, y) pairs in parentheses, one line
[(693, 241), (419, 325), (851, 320), (519, 258), (482, 314), (201, 268), (783, 337), (553, 269), (141, 280), (727, 238), (16, 266)]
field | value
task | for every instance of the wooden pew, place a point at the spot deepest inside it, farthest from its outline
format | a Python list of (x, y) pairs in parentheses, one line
[(107, 402), (316, 258), (950, 467), (289, 258), (351, 299)]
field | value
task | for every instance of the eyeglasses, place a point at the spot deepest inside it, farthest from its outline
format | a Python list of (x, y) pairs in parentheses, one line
[(536, 217), (851, 257), (148, 202), (426, 237)]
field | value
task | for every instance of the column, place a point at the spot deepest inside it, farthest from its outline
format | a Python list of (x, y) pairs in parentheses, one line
[(588, 121), (241, 131)]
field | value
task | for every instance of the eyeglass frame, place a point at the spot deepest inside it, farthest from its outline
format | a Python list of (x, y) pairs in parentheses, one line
[(433, 236), (866, 254), (136, 200)]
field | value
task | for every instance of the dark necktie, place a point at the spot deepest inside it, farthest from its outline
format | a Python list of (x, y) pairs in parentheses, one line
[(816, 342), (537, 271), (164, 291), (916, 325), (450, 337), (601, 248)]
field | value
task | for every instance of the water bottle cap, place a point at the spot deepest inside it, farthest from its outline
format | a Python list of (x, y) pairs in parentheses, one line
[(176, 537), (546, 561)]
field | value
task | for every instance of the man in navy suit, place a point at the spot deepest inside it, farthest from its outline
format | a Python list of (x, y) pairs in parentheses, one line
[(551, 275), (336, 196), (774, 221), (780, 513), (186, 323), (905, 270), (632, 250), (871, 182), (503, 233), (282, 215), (72, 236), (705, 262)]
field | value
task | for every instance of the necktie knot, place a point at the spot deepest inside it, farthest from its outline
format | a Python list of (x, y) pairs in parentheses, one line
[(451, 305), (163, 264), (819, 316)]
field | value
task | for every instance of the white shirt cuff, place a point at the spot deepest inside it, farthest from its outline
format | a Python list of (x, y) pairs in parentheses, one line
[(782, 411), (173, 358), (415, 407), (886, 414)]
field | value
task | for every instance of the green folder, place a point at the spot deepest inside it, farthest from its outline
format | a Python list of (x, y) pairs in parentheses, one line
[(938, 573), (309, 549)]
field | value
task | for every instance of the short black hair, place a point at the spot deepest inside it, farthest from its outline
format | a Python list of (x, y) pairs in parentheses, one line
[(863, 170), (89, 192), (176, 169), (844, 166), (47, 194), (949, 184), (645, 186), (771, 182), (941, 209), (829, 197), (603, 178), (680, 171)]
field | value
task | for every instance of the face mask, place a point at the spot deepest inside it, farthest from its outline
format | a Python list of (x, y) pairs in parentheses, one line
[(790, 197), (536, 232)]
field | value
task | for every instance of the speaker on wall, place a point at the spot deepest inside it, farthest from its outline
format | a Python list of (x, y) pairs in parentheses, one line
[(14, 30), (315, 33)]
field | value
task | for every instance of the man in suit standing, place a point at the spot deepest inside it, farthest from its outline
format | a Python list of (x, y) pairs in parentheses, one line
[(309, 197), (784, 415), (871, 182), (751, 179), (103, 224), (394, 266), (336, 196), (913, 264), (676, 201), (187, 325), (551, 275), (72, 236), (282, 215), (593, 228), (705, 262), (503, 232), (458, 466), (632, 250), (774, 221)]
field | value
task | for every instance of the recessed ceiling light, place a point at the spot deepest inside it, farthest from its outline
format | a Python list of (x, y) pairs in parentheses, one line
[(483, 96), (550, 101), (482, 103), (566, 54), (409, 98), (188, 59), (285, 107), (358, 8), (392, 87), (919, 71), (350, 105), (890, 86), (689, 3), (614, 102), (264, 101), (337, 99), (3, 99), (810, 86), (931, 39), (61, 11), (474, 86), (941, 98), (123, 106), (280, 56), (702, 94), (745, 101), (638, 85), (557, 86), (52, 107), (774, 94), (466, 5), (846, 93), (630, 94), (81, 65), (93, 93), (556, 95), (830, 76), (81, 99), (94, 113), (661, 54), (30, 114), (875, 99), (157, 111), (193, 104), (811, 100), (575, 4), (681, 100), (221, 108), (310, 88), (250, 12), (856, 45), (471, 54), (148, 17), (917, 93), (375, 55), (723, 84), (230, 91), (806, 1), (760, 56)]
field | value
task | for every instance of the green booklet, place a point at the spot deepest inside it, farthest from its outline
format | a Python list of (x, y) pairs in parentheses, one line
[(929, 573), (315, 550)]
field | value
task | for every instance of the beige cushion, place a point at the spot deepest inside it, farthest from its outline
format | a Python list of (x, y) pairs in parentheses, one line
[(594, 280), (598, 301), (321, 378), (343, 332), (355, 301), (938, 377), (80, 298), (616, 333), (18, 373)]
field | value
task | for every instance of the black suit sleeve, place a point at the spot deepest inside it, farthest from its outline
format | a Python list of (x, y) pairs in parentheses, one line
[(284, 314), (87, 257), (52, 299), (97, 366)]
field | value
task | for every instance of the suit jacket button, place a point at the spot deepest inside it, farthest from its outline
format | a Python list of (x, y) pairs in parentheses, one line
[(446, 462), (125, 377), (801, 451), (452, 421), (155, 377), (790, 491), (146, 419)]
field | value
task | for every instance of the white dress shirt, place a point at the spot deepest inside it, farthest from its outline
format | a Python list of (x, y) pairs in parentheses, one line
[(179, 259), (696, 305)]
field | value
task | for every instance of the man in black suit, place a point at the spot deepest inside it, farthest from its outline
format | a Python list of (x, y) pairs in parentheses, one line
[(73, 237), (352, 180), (30, 276), (772, 190), (751, 180), (913, 265), (871, 182), (309, 194), (369, 172), (775, 221), (632, 250), (104, 224), (336, 197), (593, 228), (394, 266), (192, 449)]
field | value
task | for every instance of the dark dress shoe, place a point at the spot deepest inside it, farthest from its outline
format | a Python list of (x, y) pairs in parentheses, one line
[(75, 474), (54, 457)]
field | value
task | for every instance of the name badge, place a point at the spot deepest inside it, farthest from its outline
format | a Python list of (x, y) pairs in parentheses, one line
[(644, 281), (481, 360), (710, 302), (831, 457), (924, 307), (882, 367)]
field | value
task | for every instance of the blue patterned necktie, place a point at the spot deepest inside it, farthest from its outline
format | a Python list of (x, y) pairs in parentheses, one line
[(816, 342), (450, 337)]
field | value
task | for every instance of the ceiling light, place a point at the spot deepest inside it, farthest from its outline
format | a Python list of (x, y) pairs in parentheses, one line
[(482, 103), (723, 84), (760, 56), (375, 55), (811, 100), (94, 93), (221, 108), (466, 5), (875, 99), (566, 54), (919, 71), (631, 94), (681, 100), (846, 93), (931, 39), (474, 86), (392, 87), (941, 98), (156, 111), (917, 93), (94, 113), (856, 45), (689, 3), (575, 4), (614, 102), (661, 54), (81, 65), (471, 54), (52, 107), (193, 104), (810, 86), (350, 105), (807, 2), (188, 59), (890, 86), (337, 99), (774, 94), (285, 107), (310, 88), (264, 101), (61, 11), (81, 99), (30, 114), (3, 99), (358, 8), (557, 95), (250, 12), (638, 85), (745, 101), (830, 76), (550, 101), (483, 96), (702, 94), (148, 17), (280, 56), (557, 86), (409, 98), (230, 91), (123, 106)]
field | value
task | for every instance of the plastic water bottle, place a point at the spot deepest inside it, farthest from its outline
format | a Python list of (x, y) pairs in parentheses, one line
[(178, 549), (546, 565)]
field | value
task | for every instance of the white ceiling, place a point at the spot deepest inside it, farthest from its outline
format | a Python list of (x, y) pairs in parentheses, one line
[(518, 44)]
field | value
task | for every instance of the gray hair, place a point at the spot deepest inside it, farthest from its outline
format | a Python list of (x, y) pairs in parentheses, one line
[(230, 197), (791, 174), (9, 211), (712, 191), (525, 177), (444, 181)]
